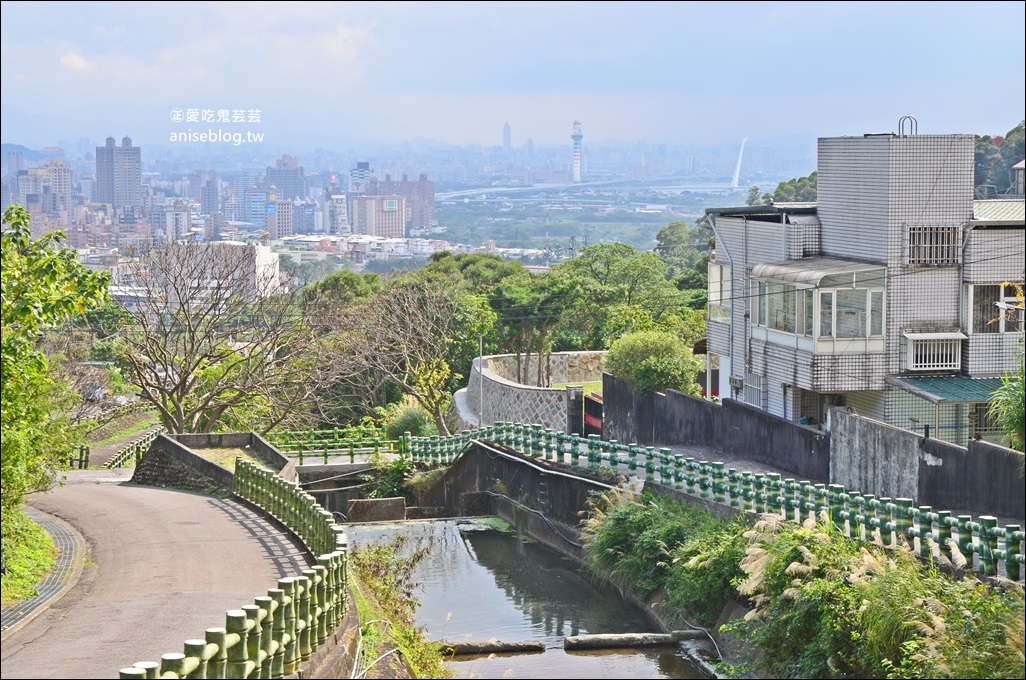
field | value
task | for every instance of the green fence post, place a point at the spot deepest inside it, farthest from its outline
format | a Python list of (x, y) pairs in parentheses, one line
[(235, 624), (196, 649), (304, 622), (149, 668), (760, 493), (988, 544), (216, 667), (254, 641), (321, 610), (665, 467), (593, 450), (834, 492), (903, 520), (925, 531), (172, 665), (717, 478), (1013, 536), (278, 632)]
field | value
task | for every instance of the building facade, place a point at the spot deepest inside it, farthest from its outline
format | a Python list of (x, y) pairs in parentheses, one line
[(887, 296), (119, 175)]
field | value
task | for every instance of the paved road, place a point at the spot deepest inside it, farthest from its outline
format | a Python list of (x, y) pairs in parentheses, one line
[(160, 567)]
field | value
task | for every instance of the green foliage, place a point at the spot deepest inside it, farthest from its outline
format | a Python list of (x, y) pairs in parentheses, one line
[(994, 158), (29, 554), (402, 417), (654, 361), (801, 189), (386, 599), (705, 566), (43, 285)]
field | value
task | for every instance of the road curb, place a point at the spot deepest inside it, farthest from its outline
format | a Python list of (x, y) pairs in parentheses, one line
[(66, 572)]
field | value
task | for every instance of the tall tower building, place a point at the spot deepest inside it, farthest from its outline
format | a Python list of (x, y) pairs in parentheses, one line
[(577, 137), (119, 175), (507, 141), (287, 176)]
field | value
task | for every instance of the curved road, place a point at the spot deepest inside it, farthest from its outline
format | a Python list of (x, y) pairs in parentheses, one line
[(161, 566)]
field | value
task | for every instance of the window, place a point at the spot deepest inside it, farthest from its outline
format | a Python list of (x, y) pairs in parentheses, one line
[(933, 351), (851, 313), (719, 292), (784, 308), (937, 244), (995, 309), (755, 391)]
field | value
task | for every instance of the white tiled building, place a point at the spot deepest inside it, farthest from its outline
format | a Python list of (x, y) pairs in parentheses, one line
[(880, 297)]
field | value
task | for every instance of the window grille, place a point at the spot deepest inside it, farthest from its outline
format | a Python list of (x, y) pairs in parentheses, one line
[(934, 244), (934, 354)]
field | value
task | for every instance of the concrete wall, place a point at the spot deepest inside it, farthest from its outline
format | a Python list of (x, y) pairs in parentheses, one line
[(675, 418), (170, 463), (870, 456), (861, 454), (506, 400)]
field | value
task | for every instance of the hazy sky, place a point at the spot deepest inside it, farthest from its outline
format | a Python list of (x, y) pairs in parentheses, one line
[(675, 72)]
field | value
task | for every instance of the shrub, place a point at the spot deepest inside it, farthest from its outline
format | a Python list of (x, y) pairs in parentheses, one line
[(654, 361)]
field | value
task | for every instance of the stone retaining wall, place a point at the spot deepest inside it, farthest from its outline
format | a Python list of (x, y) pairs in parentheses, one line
[(507, 400)]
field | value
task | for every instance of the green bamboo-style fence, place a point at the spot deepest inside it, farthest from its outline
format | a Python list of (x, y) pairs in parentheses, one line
[(79, 458), (273, 636), (132, 453), (892, 521)]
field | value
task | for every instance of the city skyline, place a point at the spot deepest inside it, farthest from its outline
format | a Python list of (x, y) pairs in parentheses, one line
[(456, 73)]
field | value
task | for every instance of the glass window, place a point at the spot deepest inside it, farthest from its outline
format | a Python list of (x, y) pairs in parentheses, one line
[(826, 314), (851, 313), (876, 312)]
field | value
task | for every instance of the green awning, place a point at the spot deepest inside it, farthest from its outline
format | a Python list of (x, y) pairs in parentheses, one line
[(948, 389)]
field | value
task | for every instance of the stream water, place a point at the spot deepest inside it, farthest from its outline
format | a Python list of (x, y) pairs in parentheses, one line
[(478, 582)]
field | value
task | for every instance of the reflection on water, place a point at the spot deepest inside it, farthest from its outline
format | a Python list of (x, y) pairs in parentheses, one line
[(479, 583)]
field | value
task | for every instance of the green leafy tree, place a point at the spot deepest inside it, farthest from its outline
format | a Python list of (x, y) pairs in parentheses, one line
[(1009, 403), (655, 361), (43, 285), (753, 197), (801, 189)]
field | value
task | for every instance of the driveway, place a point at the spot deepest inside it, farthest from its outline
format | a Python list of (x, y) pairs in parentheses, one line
[(160, 566)]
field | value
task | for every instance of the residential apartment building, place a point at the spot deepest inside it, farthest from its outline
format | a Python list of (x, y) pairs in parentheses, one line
[(119, 175), (886, 296), (419, 197), (379, 216)]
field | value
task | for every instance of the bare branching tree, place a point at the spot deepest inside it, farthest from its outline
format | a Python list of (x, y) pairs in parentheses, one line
[(217, 338), (411, 332)]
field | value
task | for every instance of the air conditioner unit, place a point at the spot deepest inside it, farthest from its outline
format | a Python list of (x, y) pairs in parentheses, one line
[(736, 383)]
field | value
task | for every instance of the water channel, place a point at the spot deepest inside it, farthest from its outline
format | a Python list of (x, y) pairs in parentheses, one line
[(479, 582)]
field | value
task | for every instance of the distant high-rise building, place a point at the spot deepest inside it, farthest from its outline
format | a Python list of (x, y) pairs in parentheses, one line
[(419, 198), (15, 162), (119, 175), (336, 212), (278, 220), (506, 137), (287, 176), (210, 197), (577, 137), (379, 216), (359, 177), (177, 221)]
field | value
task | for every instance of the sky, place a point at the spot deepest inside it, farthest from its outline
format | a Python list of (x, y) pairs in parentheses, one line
[(454, 72)]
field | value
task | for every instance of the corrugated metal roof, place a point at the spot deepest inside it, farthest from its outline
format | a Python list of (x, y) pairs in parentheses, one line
[(1000, 210), (794, 205), (949, 389), (814, 271)]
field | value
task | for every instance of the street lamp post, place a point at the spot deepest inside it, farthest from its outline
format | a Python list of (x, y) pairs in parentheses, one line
[(480, 380)]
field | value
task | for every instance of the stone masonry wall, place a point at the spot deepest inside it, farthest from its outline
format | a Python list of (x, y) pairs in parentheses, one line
[(506, 400)]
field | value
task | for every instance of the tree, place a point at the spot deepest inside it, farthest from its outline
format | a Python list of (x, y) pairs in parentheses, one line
[(43, 285), (1009, 403), (654, 361), (217, 338), (801, 189), (753, 196), (413, 332)]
